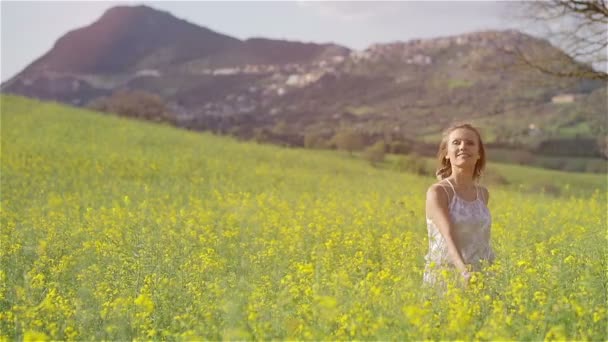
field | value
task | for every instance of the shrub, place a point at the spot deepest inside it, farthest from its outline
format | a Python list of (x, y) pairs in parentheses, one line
[(348, 140), (521, 157), (261, 135), (413, 164), (315, 140), (399, 147), (599, 166), (494, 178), (134, 103), (375, 153)]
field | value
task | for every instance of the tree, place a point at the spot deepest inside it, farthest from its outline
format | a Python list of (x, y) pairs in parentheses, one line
[(413, 163), (578, 27), (134, 103), (349, 140), (314, 140), (280, 127), (602, 143), (375, 153), (400, 147)]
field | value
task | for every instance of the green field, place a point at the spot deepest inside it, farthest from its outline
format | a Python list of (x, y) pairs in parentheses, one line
[(113, 229)]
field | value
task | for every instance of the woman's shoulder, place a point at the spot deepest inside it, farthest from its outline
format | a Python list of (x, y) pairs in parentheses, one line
[(437, 185), (438, 189), (484, 192)]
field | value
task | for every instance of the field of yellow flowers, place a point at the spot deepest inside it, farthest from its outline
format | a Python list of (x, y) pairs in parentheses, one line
[(116, 230)]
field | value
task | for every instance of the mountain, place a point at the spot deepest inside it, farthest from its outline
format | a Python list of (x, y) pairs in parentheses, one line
[(130, 38), (130, 42), (283, 90)]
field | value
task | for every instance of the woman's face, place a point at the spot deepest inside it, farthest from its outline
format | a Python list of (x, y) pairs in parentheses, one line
[(463, 148)]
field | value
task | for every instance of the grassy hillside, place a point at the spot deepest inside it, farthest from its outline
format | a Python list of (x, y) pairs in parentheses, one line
[(115, 229)]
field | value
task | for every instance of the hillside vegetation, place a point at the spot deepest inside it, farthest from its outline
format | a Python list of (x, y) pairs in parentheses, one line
[(114, 229), (283, 92)]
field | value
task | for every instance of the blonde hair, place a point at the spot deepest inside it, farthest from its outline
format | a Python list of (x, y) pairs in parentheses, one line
[(444, 167)]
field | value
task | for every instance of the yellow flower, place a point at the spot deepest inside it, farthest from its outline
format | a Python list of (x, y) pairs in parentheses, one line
[(556, 333), (34, 336), (145, 303)]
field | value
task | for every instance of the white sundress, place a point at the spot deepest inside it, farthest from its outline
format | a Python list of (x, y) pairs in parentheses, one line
[(471, 232)]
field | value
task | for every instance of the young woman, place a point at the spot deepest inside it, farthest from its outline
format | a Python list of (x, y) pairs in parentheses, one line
[(457, 216)]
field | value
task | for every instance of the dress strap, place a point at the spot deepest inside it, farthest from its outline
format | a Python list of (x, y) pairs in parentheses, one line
[(453, 191), (446, 192), (482, 196), (451, 185)]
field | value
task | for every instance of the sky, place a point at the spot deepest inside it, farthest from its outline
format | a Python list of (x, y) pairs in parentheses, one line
[(30, 28)]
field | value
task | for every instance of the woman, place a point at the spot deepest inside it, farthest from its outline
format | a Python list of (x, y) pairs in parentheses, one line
[(457, 216)]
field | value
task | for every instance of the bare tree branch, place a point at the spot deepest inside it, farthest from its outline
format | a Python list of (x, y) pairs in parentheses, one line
[(579, 28)]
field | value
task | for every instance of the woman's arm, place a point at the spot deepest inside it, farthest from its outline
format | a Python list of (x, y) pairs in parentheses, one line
[(486, 194), (437, 210), (486, 197)]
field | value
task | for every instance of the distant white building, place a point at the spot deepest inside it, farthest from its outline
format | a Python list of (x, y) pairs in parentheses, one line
[(420, 60), (303, 80), (226, 71), (293, 80), (533, 130), (460, 40), (252, 69), (147, 72), (563, 98), (360, 55), (338, 59)]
